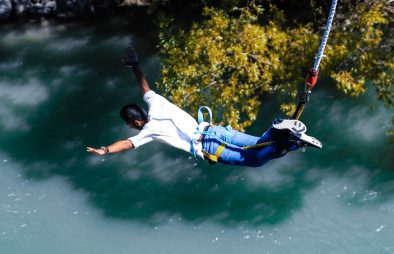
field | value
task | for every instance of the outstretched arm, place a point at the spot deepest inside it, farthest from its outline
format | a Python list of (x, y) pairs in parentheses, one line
[(141, 79), (116, 147), (131, 60)]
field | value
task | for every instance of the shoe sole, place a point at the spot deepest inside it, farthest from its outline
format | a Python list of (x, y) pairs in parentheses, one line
[(294, 126), (309, 141)]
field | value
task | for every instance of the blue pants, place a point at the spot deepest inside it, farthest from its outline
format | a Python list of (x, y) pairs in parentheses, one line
[(234, 154)]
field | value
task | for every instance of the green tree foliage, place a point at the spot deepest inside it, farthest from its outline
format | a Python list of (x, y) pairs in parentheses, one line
[(230, 60)]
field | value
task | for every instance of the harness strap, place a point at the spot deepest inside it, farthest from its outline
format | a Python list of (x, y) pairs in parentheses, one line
[(200, 115), (200, 119), (212, 158), (228, 134), (258, 145)]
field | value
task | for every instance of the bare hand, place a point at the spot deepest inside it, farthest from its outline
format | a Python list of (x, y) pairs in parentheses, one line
[(96, 151)]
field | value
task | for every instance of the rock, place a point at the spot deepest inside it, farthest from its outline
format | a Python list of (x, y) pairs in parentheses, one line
[(63, 9), (68, 9), (37, 9), (21, 7), (50, 7), (134, 3), (5, 9)]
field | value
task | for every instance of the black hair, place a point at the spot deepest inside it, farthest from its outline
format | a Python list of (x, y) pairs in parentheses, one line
[(131, 112)]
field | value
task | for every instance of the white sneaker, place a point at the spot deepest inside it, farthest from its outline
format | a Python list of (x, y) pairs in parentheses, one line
[(294, 126), (308, 140)]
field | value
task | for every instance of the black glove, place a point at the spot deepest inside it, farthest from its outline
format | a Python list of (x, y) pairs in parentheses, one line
[(130, 58)]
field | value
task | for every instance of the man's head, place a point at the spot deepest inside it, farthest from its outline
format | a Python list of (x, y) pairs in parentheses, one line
[(134, 116)]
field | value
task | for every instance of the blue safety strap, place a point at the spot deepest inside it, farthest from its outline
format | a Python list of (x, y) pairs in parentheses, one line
[(200, 119), (200, 114), (192, 150), (228, 134)]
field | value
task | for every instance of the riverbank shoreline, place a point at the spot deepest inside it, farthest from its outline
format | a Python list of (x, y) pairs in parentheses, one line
[(65, 10)]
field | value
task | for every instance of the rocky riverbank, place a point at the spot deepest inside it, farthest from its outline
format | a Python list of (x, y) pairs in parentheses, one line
[(63, 9)]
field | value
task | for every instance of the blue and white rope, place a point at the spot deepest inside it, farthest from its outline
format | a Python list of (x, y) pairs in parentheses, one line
[(325, 36)]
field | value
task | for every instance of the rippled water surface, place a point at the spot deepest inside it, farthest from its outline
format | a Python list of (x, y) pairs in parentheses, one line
[(61, 87)]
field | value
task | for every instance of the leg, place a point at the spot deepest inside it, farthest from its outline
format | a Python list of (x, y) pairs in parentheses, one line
[(234, 155), (283, 140), (243, 139), (236, 138), (267, 136)]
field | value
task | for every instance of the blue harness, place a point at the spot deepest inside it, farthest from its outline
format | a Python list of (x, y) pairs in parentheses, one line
[(212, 158)]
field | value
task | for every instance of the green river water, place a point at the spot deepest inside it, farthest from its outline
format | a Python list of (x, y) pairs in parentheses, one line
[(61, 88)]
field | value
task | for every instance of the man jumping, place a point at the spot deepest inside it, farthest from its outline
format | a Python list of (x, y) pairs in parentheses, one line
[(167, 123)]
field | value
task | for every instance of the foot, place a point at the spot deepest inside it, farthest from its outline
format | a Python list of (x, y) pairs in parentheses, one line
[(130, 58), (304, 140), (294, 126)]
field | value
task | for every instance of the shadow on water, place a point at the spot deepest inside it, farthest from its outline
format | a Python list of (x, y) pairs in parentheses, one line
[(83, 86)]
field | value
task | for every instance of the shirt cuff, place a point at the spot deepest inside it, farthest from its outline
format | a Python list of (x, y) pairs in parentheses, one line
[(148, 94), (135, 144)]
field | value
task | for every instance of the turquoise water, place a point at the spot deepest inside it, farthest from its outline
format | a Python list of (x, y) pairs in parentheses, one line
[(61, 87)]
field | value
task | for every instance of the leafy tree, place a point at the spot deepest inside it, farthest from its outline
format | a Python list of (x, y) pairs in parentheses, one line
[(230, 60)]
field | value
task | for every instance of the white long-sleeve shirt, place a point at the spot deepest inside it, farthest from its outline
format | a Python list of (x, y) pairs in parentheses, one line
[(169, 124)]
